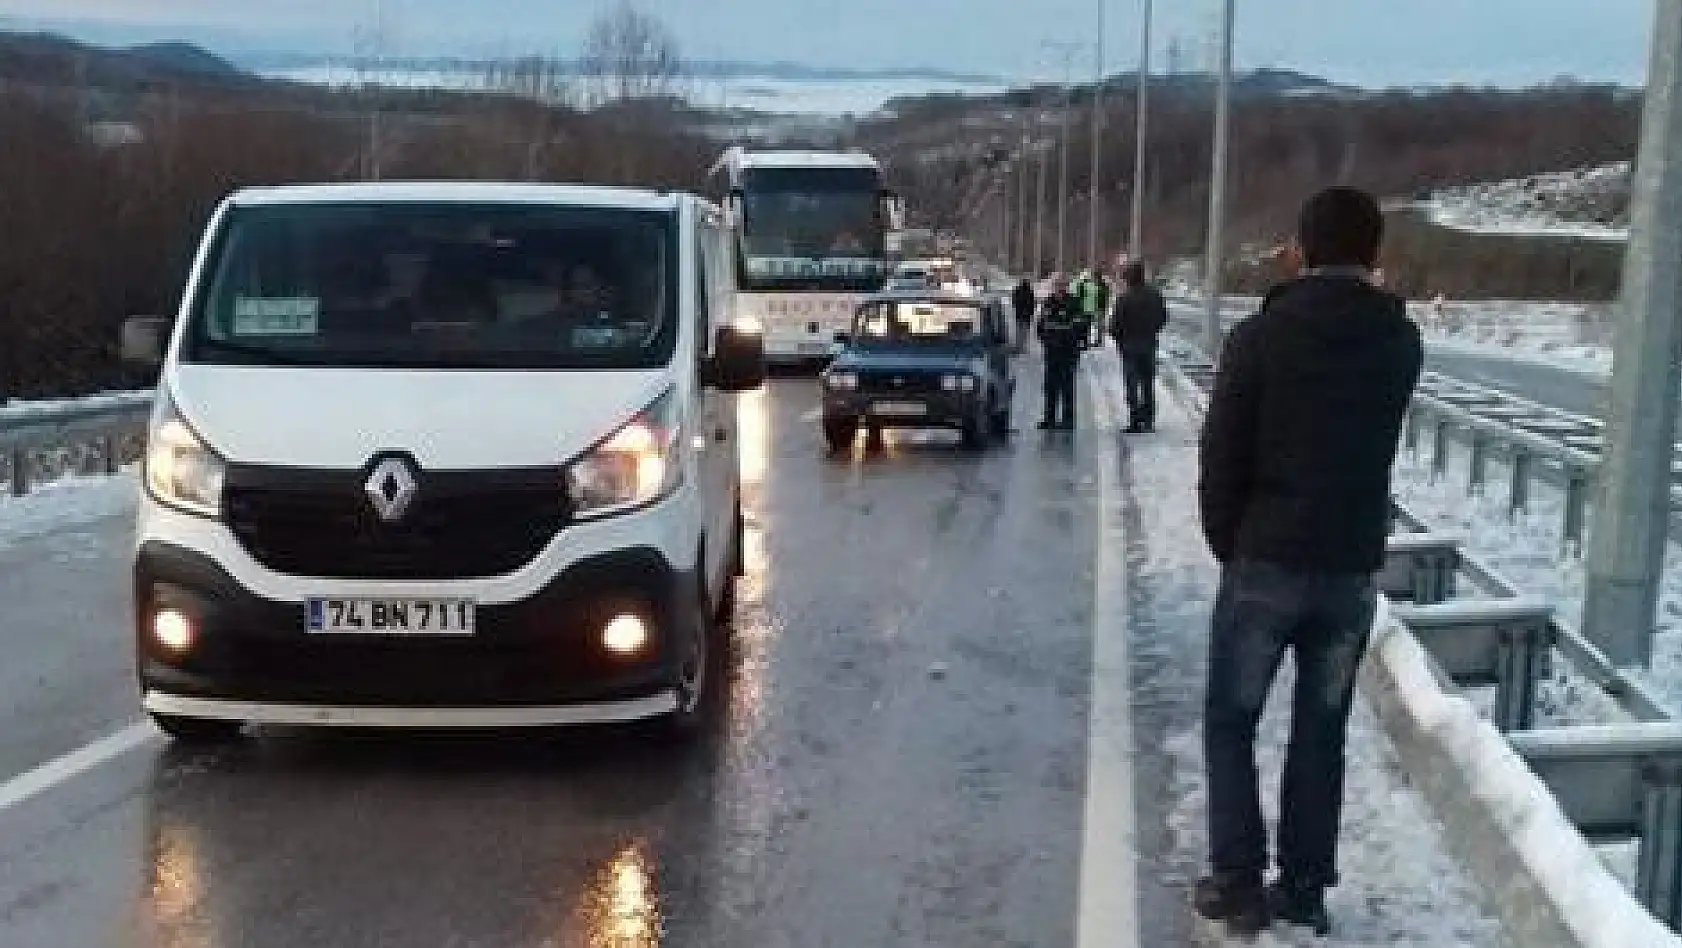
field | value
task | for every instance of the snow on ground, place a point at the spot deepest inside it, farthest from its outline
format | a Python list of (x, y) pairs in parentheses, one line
[(1585, 203), (1576, 335), (1530, 556), (65, 503), (1399, 886), (18, 410)]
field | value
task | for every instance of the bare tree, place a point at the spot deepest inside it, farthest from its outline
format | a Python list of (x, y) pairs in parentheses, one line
[(630, 54)]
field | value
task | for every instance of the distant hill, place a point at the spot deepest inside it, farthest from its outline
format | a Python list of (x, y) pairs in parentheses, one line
[(185, 58), (49, 59)]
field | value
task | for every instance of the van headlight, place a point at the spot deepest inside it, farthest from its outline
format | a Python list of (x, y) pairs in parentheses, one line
[(182, 471), (958, 383), (636, 465)]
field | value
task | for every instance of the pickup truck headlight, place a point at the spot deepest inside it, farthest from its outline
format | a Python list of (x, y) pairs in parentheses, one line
[(181, 471), (635, 466)]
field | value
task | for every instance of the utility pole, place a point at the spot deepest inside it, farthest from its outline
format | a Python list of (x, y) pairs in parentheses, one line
[(1022, 178), (1136, 230), (1097, 139), (1625, 554), (1039, 212), (1068, 50), (1214, 258)]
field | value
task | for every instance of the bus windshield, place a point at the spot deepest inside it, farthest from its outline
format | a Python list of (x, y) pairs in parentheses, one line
[(812, 229)]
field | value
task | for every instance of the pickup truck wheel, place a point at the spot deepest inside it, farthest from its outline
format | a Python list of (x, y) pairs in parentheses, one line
[(840, 432)]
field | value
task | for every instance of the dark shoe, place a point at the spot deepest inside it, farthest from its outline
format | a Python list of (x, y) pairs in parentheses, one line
[(1242, 905), (1135, 428), (1045, 426), (1305, 906)]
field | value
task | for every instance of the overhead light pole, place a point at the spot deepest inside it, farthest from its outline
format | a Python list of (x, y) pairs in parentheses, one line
[(1097, 146), (1215, 257), (1068, 50), (1136, 229)]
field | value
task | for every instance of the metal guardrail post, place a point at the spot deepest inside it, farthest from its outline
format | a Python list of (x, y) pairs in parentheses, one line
[(1478, 464), (1520, 666), (19, 471), (1576, 508), (1518, 498), (1439, 448), (1658, 881)]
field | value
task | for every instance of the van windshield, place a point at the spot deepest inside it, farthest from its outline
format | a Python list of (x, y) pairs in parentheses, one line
[(449, 286)]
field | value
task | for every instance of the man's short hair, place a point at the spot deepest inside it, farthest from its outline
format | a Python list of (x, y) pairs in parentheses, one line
[(1133, 274), (1341, 227)]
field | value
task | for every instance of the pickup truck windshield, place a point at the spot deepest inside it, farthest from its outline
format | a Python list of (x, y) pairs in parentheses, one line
[(450, 286), (916, 322)]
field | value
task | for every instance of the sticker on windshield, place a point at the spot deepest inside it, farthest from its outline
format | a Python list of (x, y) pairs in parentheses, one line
[(276, 316)]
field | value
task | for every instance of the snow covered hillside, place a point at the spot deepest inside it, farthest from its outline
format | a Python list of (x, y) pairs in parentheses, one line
[(1590, 203)]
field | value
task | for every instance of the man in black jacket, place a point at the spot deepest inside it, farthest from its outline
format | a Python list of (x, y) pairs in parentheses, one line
[(1294, 491), (1140, 314), (1061, 339), (1022, 302)]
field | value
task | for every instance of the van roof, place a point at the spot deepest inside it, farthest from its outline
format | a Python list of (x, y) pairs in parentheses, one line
[(467, 192)]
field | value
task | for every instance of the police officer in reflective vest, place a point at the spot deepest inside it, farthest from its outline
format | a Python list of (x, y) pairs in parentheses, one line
[(1062, 339)]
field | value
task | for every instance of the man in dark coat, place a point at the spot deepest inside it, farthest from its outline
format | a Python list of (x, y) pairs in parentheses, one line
[(1022, 303), (1061, 338), (1294, 491), (1140, 314)]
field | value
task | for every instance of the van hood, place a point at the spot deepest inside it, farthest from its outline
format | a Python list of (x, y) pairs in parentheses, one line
[(457, 420)]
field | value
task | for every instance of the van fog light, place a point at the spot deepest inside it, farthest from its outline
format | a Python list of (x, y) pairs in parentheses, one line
[(172, 629), (627, 634)]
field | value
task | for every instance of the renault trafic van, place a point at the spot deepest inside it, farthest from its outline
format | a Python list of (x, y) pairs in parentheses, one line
[(433, 455)]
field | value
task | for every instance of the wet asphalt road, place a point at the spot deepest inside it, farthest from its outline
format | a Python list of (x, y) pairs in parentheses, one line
[(1576, 391), (900, 758)]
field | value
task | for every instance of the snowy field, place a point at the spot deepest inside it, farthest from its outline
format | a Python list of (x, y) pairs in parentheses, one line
[(1577, 335), (1586, 203), (777, 95)]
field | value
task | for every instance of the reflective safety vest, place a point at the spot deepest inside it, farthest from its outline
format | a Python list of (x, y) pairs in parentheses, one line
[(1090, 293)]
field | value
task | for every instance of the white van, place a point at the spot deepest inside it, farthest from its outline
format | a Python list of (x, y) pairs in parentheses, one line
[(432, 455)]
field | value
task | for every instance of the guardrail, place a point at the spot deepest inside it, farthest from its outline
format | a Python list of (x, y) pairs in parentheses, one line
[(1536, 442), (1618, 781), (40, 443)]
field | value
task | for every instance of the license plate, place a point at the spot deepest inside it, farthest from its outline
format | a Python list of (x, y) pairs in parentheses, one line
[(391, 617), (899, 408)]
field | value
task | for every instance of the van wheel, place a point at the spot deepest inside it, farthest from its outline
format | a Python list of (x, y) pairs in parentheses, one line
[(840, 432), (692, 680), (724, 611), (199, 730)]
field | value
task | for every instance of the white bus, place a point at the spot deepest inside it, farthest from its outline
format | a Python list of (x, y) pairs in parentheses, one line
[(810, 233)]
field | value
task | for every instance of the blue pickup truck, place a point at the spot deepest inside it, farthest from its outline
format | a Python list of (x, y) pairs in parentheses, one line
[(921, 360)]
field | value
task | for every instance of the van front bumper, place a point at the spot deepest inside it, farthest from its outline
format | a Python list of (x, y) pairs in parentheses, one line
[(537, 661)]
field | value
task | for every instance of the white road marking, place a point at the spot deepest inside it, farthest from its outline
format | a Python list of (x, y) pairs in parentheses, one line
[(1108, 903), (60, 770)]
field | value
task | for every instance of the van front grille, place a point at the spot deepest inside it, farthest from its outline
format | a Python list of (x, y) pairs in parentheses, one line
[(459, 524)]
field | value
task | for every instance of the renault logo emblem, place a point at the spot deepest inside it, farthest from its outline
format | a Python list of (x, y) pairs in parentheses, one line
[(391, 487)]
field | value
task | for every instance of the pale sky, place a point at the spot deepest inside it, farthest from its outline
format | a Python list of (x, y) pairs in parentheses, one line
[(1369, 42)]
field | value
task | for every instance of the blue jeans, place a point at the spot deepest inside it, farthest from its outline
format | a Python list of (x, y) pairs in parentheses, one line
[(1326, 620)]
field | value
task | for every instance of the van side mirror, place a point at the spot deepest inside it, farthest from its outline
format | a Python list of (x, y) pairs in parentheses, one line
[(738, 361), (144, 340)]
